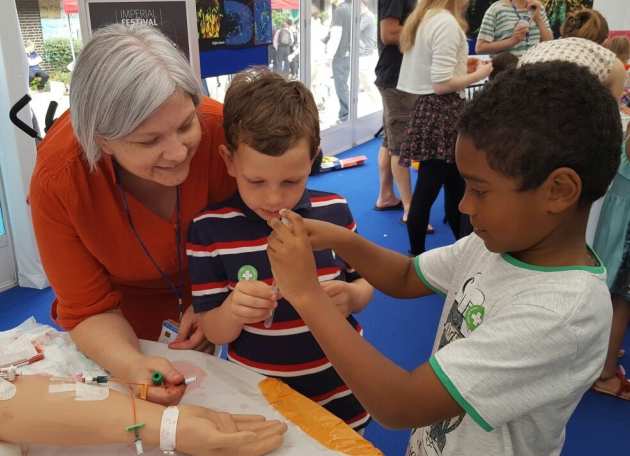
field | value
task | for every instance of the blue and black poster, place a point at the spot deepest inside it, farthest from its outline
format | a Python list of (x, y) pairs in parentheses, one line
[(233, 23)]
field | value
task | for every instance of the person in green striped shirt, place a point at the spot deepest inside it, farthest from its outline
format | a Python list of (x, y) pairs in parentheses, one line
[(514, 26)]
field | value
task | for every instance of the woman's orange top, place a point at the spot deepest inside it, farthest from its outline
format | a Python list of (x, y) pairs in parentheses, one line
[(91, 256)]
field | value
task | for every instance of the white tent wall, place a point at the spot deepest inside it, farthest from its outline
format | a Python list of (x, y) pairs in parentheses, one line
[(17, 150), (616, 12)]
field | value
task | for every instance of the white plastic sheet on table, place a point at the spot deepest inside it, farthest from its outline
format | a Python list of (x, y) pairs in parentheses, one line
[(224, 386)]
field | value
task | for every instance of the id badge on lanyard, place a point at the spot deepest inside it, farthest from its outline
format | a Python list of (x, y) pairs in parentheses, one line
[(170, 330)]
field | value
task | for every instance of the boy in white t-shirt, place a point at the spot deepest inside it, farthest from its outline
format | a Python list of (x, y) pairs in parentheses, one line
[(525, 325)]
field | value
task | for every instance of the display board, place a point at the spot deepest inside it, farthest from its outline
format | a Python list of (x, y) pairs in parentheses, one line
[(175, 18), (233, 23), (233, 34)]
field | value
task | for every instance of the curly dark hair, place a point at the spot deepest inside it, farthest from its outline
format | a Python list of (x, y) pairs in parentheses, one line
[(543, 116)]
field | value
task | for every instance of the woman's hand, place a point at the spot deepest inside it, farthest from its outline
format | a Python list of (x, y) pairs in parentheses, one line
[(204, 432), (190, 335), (173, 388)]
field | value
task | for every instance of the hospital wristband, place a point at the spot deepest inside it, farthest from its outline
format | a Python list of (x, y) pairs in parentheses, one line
[(168, 430)]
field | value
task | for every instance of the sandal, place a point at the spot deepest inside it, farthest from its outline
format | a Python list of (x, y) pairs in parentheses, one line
[(391, 207), (623, 392)]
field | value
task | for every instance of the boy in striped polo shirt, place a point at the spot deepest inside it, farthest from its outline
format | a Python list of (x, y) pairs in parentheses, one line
[(513, 26), (272, 137)]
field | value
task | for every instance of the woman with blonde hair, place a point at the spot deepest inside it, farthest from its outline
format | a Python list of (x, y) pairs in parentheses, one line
[(435, 52)]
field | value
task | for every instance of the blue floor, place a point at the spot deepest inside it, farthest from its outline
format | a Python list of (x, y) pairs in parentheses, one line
[(403, 330)]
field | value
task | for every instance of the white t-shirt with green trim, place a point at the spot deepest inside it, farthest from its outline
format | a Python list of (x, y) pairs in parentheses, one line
[(517, 346)]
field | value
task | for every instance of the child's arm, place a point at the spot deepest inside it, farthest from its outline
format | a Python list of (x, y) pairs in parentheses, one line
[(250, 302), (36, 416), (395, 397), (388, 271)]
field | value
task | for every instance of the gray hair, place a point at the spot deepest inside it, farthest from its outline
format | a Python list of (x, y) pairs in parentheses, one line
[(121, 77)]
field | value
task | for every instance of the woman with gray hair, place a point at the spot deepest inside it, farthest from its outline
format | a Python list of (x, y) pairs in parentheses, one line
[(117, 181)]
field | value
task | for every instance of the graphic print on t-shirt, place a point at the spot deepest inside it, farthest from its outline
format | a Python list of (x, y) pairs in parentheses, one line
[(466, 314)]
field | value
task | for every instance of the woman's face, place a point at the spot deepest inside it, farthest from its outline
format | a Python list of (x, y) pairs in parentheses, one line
[(161, 148)]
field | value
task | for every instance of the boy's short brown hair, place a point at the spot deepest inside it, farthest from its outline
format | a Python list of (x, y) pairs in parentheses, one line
[(269, 113)]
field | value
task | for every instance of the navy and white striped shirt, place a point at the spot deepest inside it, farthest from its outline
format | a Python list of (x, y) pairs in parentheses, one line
[(228, 242)]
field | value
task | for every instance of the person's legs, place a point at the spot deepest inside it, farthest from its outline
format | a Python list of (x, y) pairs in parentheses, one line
[(608, 381), (273, 57), (43, 76), (341, 74), (400, 108), (430, 179), (402, 178), (283, 59), (32, 74), (386, 196), (453, 192)]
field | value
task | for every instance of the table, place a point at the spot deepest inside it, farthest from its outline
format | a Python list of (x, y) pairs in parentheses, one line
[(220, 385)]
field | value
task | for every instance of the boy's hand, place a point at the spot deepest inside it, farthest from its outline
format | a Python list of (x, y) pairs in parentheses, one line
[(291, 256), (251, 301), (341, 294)]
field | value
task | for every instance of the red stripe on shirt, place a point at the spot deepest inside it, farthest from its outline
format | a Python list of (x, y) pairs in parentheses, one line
[(319, 199), (220, 211), (359, 417), (279, 367), (280, 325), (325, 396), (209, 285), (327, 271), (226, 245)]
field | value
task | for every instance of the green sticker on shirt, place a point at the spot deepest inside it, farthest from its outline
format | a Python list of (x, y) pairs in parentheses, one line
[(247, 272), (474, 317)]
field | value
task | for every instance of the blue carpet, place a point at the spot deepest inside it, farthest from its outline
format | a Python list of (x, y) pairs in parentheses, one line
[(402, 330)]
